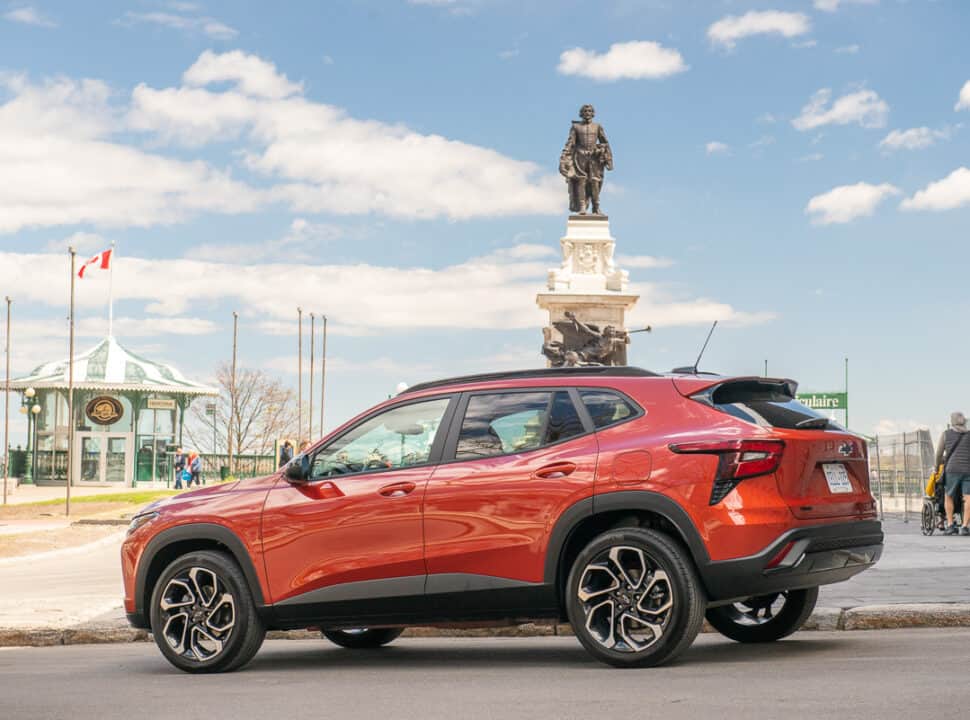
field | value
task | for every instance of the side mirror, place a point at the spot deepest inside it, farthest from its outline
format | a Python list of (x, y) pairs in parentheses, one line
[(297, 470)]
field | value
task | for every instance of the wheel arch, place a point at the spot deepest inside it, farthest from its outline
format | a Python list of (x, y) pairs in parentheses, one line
[(181, 539), (586, 519)]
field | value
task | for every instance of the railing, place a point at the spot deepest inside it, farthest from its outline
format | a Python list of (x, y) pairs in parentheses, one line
[(216, 467), (899, 466)]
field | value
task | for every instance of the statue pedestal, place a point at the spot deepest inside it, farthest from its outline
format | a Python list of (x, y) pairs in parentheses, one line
[(590, 287)]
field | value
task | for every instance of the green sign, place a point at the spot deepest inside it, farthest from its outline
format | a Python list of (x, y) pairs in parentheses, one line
[(824, 401)]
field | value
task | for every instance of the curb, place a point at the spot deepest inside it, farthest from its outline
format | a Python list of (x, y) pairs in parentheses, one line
[(867, 617)]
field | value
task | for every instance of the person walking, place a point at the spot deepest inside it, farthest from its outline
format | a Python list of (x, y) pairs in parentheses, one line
[(179, 467), (954, 454), (195, 469)]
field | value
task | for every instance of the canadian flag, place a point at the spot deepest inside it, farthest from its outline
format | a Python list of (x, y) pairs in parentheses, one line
[(102, 260)]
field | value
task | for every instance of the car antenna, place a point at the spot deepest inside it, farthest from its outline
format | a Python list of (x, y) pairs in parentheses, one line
[(701, 353)]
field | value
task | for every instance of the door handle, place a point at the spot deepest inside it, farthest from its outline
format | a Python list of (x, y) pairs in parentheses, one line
[(555, 470), (398, 489)]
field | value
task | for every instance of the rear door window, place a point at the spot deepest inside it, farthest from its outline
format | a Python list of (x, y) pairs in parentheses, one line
[(503, 423)]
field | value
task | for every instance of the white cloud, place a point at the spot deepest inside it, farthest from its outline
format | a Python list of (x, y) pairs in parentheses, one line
[(727, 31), (29, 15), (206, 25), (847, 50), (847, 202), (912, 139), (630, 60), (951, 192), (84, 243), (963, 103), (716, 147), (58, 165), (833, 5), (66, 156), (495, 291), (249, 74), (303, 242), (863, 107)]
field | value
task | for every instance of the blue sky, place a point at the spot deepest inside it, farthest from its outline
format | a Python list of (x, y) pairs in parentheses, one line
[(796, 170)]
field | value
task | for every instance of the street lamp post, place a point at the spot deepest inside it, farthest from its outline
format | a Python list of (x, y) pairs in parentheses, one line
[(31, 409)]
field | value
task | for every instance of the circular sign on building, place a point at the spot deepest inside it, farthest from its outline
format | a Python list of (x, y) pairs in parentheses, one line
[(104, 410)]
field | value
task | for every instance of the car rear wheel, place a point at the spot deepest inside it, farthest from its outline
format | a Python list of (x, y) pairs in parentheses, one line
[(203, 616), (764, 618), (633, 598), (362, 638)]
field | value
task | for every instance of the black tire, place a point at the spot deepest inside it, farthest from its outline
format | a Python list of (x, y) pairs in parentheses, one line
[(363, 638), (761, 619), (928, 518), (223, 598), (664, 595)]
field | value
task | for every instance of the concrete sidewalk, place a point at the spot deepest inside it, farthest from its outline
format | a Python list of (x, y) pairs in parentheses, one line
[(75, 595)]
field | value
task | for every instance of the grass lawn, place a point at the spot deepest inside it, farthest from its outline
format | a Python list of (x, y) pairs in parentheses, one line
[(132, 498)]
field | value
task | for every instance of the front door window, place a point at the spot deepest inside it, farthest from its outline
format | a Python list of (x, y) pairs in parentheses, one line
[(91, 459), (114, 461), (398, 438)]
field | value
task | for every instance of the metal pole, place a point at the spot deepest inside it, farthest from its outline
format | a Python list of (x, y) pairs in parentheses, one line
[(310, 409), (6, 409), (905, 481), (766, 367), (299, 374), (882, 513), (232, 391), (70, 393), (111, 277), (323, 372)]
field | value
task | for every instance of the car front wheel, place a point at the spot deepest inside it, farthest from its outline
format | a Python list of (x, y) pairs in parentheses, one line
[(764, 618), (203, 616), (362, 638), (633, 598)]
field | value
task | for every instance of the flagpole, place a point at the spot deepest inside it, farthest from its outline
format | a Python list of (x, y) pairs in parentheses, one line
[(111, 277), (310, 393), (299, 373), (323, 372), (70, 393), (6, 410)]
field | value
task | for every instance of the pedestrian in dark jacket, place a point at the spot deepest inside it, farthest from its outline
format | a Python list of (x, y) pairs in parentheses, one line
[(286, 453), (180, 461), (954, 454)]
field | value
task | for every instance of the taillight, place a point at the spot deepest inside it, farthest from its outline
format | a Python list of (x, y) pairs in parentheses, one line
[(737, 459)]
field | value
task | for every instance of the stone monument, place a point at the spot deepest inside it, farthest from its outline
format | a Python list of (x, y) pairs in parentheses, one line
[(586, 296)]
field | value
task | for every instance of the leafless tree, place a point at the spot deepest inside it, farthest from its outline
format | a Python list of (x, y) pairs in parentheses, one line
[(265, 412)]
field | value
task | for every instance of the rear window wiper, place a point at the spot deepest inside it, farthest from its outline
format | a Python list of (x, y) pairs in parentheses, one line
[(813, 424)]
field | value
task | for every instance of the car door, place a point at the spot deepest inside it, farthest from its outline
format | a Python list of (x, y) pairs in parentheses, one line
[(353, 533), (514, 460)]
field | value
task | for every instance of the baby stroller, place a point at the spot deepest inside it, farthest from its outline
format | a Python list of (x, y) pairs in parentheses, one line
[(933, 516)]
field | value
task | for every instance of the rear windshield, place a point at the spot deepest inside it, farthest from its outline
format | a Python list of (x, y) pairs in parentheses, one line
[(767, 405)]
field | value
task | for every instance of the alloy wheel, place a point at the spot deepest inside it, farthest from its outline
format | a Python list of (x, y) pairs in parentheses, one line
[(627, 599), (198, 614)]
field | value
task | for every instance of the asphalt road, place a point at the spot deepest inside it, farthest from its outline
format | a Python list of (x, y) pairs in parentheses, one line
[(845, 675)]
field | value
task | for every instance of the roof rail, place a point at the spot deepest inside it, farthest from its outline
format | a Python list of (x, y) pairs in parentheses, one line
[(585, 370)]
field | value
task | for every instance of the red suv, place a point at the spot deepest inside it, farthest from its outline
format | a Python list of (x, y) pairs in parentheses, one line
[(632, 504)]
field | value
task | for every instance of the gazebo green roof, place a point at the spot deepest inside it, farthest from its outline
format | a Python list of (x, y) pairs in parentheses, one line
[(110, 366)]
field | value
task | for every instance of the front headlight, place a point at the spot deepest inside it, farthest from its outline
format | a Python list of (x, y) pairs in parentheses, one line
[(140, 519)]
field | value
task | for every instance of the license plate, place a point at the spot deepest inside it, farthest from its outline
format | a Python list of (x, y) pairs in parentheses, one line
[(837, 477)]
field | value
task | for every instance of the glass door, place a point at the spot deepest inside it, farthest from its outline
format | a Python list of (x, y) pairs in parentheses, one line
[(91, 459), (102, 459), (116, 454)]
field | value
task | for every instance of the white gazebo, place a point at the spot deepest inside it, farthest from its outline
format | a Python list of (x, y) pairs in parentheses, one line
[(128, 414)]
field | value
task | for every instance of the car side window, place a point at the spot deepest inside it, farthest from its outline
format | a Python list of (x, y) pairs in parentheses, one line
[(606, 408), (502, 423), (396, 438)]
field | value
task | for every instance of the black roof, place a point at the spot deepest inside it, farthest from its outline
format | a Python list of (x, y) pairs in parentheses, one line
[(582, 371)]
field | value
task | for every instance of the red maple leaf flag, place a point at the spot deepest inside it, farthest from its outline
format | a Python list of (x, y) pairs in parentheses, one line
[(102, 260)]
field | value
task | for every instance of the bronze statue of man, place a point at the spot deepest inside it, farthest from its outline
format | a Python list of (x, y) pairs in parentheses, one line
[(586, 155)]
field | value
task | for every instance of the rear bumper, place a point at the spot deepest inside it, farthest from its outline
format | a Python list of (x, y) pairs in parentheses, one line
[(818, 555)]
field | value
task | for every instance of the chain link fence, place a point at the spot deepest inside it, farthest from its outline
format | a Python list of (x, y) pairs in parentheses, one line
[(899, 466)]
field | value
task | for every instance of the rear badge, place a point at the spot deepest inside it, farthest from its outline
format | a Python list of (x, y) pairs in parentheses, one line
[(846, 449)]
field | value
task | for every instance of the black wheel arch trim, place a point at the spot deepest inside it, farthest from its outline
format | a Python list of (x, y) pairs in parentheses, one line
[(193, 531), (644, 500)]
